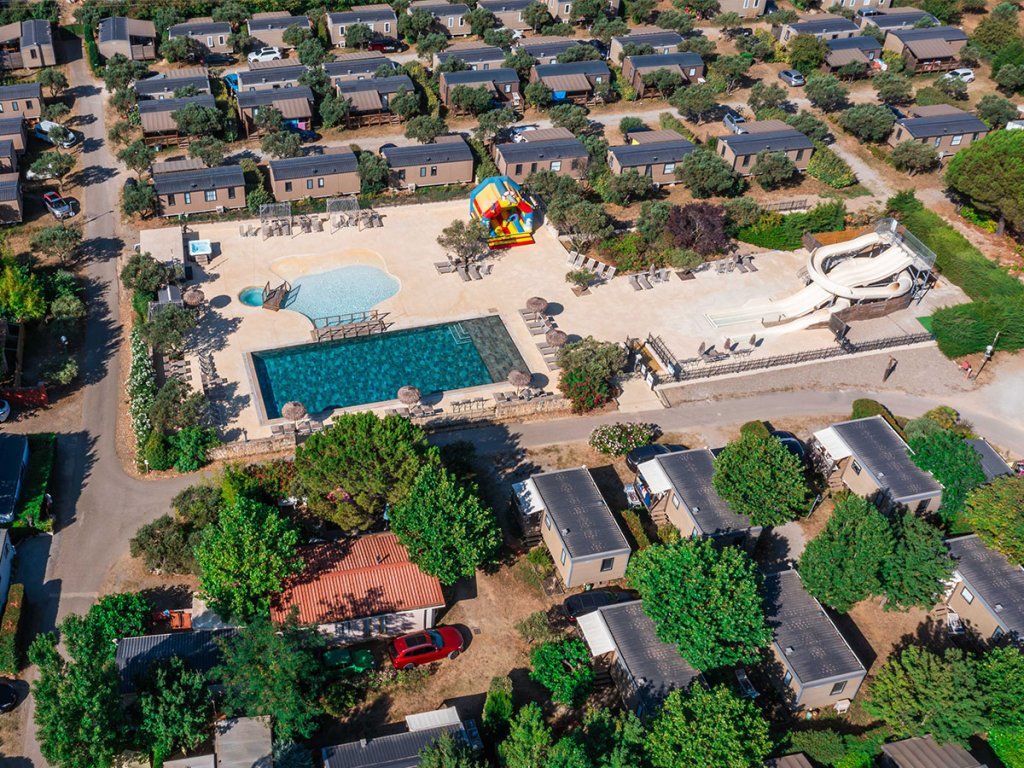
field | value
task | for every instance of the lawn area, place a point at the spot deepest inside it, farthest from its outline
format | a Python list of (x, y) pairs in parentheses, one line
[(42, 450)]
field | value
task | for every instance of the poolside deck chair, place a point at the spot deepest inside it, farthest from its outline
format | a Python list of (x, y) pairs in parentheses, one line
[(485, 269), (527, 314), (570, 258), (720, 265), (644, 282), (634, 281), (741, 266), (444, 267), (464, 274), (750, 264), (318, 224), (609, 273), (474, 272)]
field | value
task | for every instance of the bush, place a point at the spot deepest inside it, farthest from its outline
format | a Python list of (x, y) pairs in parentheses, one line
[(1008, 744), (636, 527), (829, 168), (192, 445), (141, 388), (165, 546), (622, 437), (10, 654), (756, 428), (158, 452), (584, 392), (786, 232), (563, 668), (341, 697), (498, 708), (42, 452), (863, 408)]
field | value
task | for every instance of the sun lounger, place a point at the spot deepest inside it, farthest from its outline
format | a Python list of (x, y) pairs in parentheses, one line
[(570, 258), (720, 266), (474, 272), (485, 269), (635, 283), (742, 267), (750, 264), (644, 282), (444, 267), (464, 274)]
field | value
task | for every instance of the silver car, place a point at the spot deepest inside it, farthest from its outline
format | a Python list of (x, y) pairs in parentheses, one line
[(734, 121), (792, 77)]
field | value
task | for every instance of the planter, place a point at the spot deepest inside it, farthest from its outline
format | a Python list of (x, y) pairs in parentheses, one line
[(580, 291)]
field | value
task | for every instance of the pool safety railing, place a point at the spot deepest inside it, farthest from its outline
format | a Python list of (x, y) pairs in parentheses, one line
[(349, 326), (273, 298)]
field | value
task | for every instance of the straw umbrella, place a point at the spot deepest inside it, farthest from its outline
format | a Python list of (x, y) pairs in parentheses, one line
[(409, 395), (537, 304), (193, 297), (293, 411), (556, 338), (519, 379)]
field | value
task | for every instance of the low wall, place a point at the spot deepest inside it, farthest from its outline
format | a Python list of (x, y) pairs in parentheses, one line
[(247, 448)]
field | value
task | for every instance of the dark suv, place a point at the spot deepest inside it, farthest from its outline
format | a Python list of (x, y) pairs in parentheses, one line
[(384, 45)]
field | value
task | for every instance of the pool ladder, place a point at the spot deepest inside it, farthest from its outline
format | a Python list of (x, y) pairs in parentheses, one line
[(459, 334)]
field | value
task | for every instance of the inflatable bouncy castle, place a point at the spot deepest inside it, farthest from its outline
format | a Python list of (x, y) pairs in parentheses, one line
[(498, 202)]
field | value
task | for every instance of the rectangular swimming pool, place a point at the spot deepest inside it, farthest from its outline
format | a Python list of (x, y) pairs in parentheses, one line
[(371, 369)]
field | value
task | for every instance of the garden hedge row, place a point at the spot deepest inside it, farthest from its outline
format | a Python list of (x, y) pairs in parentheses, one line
[(10, 662), (42, 451)]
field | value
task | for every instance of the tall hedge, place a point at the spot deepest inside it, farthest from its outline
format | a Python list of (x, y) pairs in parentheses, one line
[(10, 659)]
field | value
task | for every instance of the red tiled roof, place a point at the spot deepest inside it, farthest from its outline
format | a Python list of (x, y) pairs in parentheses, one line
[(359, 578)]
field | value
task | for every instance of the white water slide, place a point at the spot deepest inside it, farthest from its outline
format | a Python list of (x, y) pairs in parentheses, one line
[(856, 277)]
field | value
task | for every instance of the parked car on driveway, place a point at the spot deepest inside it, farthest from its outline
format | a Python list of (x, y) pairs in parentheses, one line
[(8, 696), (588, 602), (792, 77), (42, 132), (384, 45), (791, 443), (424, 647), (734, 121), (58, 206), (964, 74), (638, 456), (269, 53)]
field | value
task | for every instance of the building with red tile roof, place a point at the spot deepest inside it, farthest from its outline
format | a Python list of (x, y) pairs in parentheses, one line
[(361, 588)]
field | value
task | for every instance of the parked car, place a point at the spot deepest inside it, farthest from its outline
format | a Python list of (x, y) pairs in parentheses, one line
[(737, 32), (734, 121), (867, 13), (517, 132), (747, 689), (5, 410), (42, 132), (58, 206), (8, 696), (425, 647), (384, 45), (638, 456), (792, 77), (268, 53), (791, 443), (588, 602), (964, 74)]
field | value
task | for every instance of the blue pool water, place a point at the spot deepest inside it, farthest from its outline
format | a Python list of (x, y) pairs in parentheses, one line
[(252, 297), (342, 291), (370, 369)]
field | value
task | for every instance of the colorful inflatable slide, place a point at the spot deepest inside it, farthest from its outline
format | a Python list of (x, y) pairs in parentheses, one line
[(498, 202)]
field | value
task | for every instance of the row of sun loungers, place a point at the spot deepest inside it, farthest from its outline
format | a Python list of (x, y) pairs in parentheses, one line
[(527, 394), (579, 261), (537, 323), (644, 281), (550, 355), (417, 411), (467, 273), (739, 262), (305, 427)]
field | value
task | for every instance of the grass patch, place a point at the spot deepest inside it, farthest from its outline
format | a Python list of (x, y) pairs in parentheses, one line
[(42, 450), (10, 653), (854, 190), (927, 324)]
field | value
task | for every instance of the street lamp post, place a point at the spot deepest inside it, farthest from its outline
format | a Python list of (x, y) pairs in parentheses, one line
[(989, 351)]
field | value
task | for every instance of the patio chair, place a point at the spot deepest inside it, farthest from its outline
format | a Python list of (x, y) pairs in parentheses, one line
[(289, 428), (634, 281), (527, 314), (644, 282), (743, 268), (730, 266), (277, 429)]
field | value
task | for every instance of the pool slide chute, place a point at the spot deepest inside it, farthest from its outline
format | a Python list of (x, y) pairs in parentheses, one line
[(858, 276), (498, 203)]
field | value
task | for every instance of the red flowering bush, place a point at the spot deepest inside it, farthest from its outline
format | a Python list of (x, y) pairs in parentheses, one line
[(584, 390), (274, 478)]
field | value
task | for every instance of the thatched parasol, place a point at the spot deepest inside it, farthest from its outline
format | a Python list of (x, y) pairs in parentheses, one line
[(193, 297), (409, 395), (556, 338), (536, 304), (520, 379), (293, 411)]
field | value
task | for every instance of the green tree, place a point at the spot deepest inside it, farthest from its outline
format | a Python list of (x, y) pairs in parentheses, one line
[(373, 173), (358, 35), (760, 479), (581, 52), (806, 53), (91, 639), (312, 52), (480, 20), (493, 123), (21, 294), (993, 511), (473, 100), (996, 111), (583, 222), (120, 72), (334, 111), (209, 149), (917, 692), (708, 727), (175, 710), (678, 21), (53, 80), (120, 133), (268, 120), (990, 173), (914, 157), (449, 752), (731, 69), (359, 466), (140, 198), (953, 88), (664, 81), (446, 528), (498, 708), (828, 167), (766, 96), (519, 60), (53, 165), (893, 88), (695, 101), (415, 25), (281, 144), (809, 125), (572, 117), (245, 557), (1000, 675), (704, 599), (537, 94), (177, 49), (405, 104), (143, 273), (138, 157), (273, 670), (430, 44), (868, 122), (425, 128), (585, 11), (198, 120), (563, 667), (843, 564), (953, 462), (826, 92), (914, 572), (57, 242), (773, 169), (464, 241), (708, 175), (528, 743), (166, 331), (537, 15), (624, 188), (1010, 77), (996, 31), (165, 546)]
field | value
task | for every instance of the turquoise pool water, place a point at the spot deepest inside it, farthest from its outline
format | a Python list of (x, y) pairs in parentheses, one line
[(342, 291), (252, 297), (370, 369)]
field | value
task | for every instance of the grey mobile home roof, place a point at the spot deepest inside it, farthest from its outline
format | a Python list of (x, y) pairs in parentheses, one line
[(399, 750), (690, 474), (992, 464), (655, 666), (362, 66), (797, 760), (472, 55), (994, 579), (528, 151), (585, 523), (572, 68), (423, 154), (271, 75), (379, 84), (882, 452), (682, 59), (499, 6), (150, 106), (36, 32), (278, 22), (942, 125), (891, 18), (135, 655), (249, 99), (197, 28), (12, 449), (538, 47), (654, 38), (221, 177), (11, 125), (113, 28), (439, 7), (163, 83), (923, 752), (771, 141), (928, 33), (862, 42), (824, 26), (21, 91), (338, 161), (9, 186), (479, 76), (806, 637), (359, 14)]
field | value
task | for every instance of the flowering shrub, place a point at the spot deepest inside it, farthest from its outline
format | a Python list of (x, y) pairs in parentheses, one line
[(275, 478), (583, 390), (621, 438), (141, 388)]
